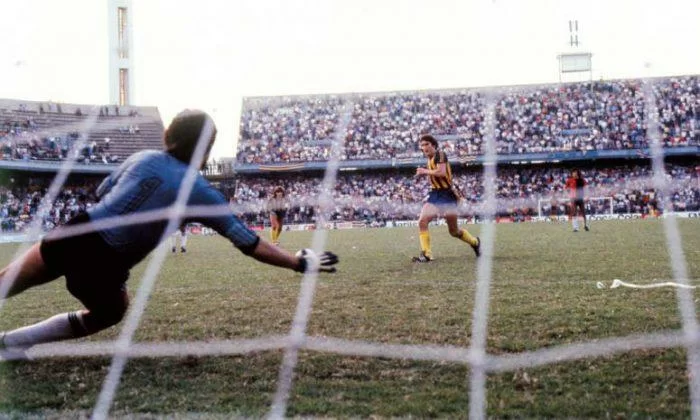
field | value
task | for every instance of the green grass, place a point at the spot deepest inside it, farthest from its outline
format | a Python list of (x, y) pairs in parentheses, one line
[(543, 294)]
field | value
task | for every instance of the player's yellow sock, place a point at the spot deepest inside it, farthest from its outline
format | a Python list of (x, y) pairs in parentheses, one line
[(467, 237), (273, 234), (279, 233), (425, 243)]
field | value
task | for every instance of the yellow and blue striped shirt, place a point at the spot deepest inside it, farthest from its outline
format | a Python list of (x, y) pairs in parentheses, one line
[(440, 182)]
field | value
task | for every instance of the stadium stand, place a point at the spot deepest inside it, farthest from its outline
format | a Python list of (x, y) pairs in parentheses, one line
[(583, 117), (540, 132), (20, 201), (380, 197), (35, 137), (377, 198), (46, 131)]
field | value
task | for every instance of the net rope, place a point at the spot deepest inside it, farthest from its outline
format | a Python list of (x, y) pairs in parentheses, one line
[(297, 334), (684, 296)]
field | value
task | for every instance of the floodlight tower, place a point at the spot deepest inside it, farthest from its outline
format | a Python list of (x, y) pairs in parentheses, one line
[(574, 61), (121, 74)]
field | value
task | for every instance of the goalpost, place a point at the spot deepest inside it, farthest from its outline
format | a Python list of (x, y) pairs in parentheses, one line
[(557, 206)]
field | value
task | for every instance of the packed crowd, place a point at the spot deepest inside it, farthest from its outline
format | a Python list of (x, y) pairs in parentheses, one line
[(19, 204), (678, 100), (605, 115), (288, 130), (377, 198), (521, 193)]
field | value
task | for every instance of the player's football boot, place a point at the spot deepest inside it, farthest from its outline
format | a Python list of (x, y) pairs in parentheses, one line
[(422, 258), (586, 228), (182, 249), (477, 247)]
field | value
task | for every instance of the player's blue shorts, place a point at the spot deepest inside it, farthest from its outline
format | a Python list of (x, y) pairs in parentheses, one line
[(443, 199)]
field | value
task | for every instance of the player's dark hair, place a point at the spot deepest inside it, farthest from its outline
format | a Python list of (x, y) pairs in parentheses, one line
[(430, 139), (278, 190), (182, 135)]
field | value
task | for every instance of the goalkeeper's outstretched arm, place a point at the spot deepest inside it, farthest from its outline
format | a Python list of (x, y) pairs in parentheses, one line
[(306, 261)]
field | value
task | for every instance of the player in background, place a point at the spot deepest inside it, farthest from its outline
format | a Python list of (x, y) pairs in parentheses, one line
[(652, 204), (96, 263), (575, 184), (441, 201), (553, 209), (277, 205), (181, 234)]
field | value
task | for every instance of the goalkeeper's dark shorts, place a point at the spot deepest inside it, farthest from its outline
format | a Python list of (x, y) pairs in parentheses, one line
[(443, 199), (94, 272)]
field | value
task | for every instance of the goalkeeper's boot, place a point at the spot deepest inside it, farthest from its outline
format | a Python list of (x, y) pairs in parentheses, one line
[(422, 258), (586, 228), (477, 247)]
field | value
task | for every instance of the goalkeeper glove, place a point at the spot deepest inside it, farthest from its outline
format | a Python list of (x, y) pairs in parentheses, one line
[(309, 262)]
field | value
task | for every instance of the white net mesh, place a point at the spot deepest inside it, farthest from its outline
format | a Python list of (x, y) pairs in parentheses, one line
[(476, 355)]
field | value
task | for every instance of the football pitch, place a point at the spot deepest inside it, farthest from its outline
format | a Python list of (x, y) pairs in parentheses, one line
[(544, 294)]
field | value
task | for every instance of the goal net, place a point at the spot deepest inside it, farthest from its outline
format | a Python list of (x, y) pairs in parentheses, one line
[(476, 315), (299, 338)]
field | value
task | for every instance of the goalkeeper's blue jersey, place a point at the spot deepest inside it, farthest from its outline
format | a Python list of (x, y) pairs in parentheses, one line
[(149, 181)]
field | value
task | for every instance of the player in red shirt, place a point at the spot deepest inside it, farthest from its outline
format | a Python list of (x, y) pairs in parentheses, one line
[(575, 184)]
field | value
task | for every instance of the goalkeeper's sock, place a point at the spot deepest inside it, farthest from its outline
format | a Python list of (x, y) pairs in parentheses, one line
[(425, 243), (574, 222), (465, 236), (273, 234), (58, 327)]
